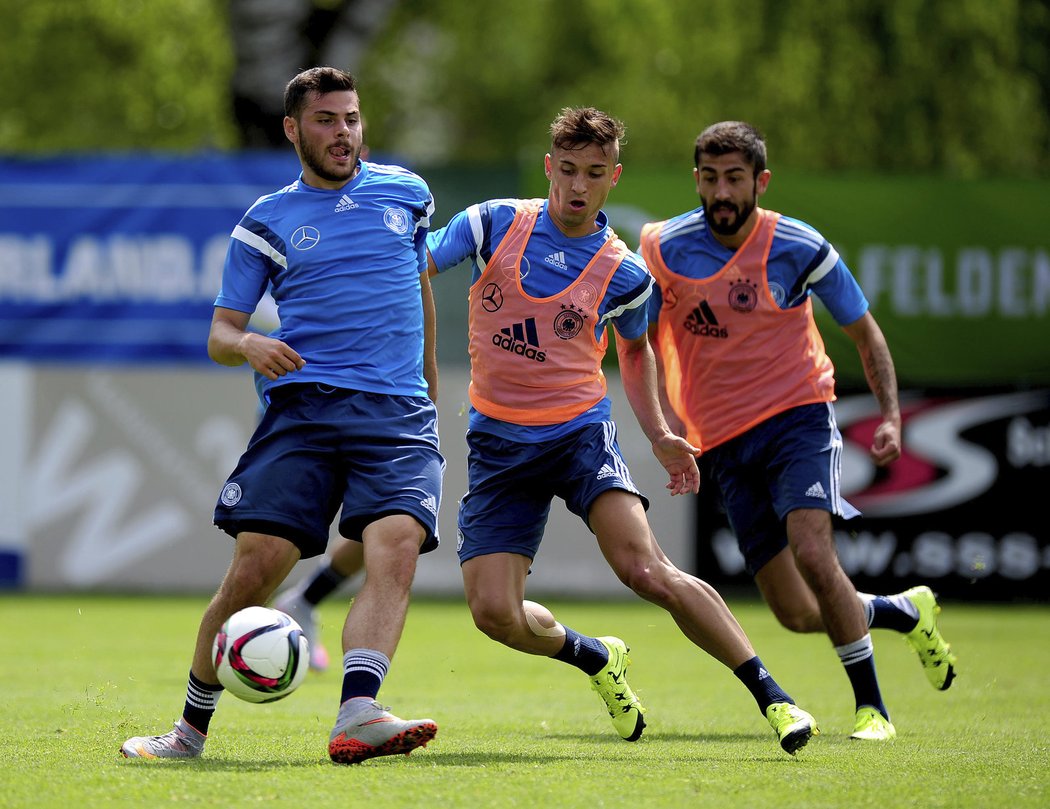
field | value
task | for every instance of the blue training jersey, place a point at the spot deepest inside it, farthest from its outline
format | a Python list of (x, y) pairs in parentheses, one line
[(801, 262), (551, 262), (343, 267)]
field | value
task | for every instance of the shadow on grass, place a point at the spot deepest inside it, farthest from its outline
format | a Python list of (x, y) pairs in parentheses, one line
[(561, 748)]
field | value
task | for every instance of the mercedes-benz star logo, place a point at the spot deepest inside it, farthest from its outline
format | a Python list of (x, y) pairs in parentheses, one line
[(305, 237), (491, 298)]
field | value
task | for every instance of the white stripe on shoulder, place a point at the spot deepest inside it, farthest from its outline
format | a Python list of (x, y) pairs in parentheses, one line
[(257, 242), (822, 269), (506, 202), (632, 304), (477, 230), (797, 232), (424, 220), (389, 168), (684, 226)]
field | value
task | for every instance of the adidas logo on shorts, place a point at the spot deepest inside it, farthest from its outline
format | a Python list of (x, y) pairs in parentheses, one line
[(816, 490)]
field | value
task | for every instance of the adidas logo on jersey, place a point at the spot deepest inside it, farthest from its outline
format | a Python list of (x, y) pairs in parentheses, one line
[(606, 472), (558, 260), (703, 323), (816, 490), (521, 339), (345, 204)]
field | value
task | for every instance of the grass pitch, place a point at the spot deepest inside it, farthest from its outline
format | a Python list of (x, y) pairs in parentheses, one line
[(83, 672)]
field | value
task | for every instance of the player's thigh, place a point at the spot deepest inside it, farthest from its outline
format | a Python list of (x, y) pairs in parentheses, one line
[(618, 520), (494, 584), (392, 463), (508, 499)]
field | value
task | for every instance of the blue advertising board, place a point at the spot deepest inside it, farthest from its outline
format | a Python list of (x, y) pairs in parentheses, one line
[(119, 258)]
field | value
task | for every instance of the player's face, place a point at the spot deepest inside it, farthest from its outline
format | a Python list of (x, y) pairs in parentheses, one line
[(581, 180), (729, 192), (328, 137)]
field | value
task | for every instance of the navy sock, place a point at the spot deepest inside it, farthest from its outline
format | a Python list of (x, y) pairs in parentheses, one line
[(201, 700), (363, 673), (760, 683), (586, 653), (322, 584), (889, 612), (859, 661)]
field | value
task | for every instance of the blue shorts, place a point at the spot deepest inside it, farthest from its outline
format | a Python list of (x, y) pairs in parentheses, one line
[(788, 462), (318, 449), (511, 486)]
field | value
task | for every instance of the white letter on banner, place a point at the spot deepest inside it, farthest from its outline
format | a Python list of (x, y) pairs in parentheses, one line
[(974, 281), (1012, 298), (25, 269), (93, 499), (212, 260), (169, 263), (938, 301), (126, 271), (905, 290), (81, 275), (869, 272), (1040, 302)]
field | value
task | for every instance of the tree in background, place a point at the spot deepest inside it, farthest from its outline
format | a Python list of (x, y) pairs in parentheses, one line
[(114, 75), (939, 86), (275, 39), (954, 87)]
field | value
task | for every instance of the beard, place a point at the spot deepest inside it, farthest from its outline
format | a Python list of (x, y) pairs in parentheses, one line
[(314, 158), (730, 226)]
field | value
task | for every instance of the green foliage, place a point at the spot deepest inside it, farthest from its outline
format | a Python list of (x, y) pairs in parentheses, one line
[(958, 87), (112, 75), (82, 673), (946, 86)]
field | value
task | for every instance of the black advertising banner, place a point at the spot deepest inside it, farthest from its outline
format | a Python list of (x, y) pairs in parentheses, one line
[(963, 510)]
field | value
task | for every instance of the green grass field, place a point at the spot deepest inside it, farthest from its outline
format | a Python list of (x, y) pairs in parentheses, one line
[(84, 672)]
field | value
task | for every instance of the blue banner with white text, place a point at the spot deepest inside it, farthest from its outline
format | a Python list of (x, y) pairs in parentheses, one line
[(119, 258)]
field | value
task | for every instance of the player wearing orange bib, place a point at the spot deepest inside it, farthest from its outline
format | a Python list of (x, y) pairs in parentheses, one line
[(746, 379), (549, 278)]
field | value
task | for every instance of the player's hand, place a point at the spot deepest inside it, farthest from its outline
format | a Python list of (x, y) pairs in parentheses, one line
[(678, 457), (270, 357), (886, 443)]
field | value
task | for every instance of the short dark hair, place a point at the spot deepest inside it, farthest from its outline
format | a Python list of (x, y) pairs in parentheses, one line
[(732, 136), (577, 127), (315, 81)]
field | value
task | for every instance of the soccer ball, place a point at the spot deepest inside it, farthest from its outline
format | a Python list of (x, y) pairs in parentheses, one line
[(260, 654)]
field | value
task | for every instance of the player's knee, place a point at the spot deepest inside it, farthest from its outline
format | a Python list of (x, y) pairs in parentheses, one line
[(800, 622), (495, 622), (650, 580), (250, 582), (818, 567), (540, 621)]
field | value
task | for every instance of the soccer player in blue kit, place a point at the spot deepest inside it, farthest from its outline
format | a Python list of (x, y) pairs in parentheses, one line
[(745, 377), (549, 278), (349, 424)]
